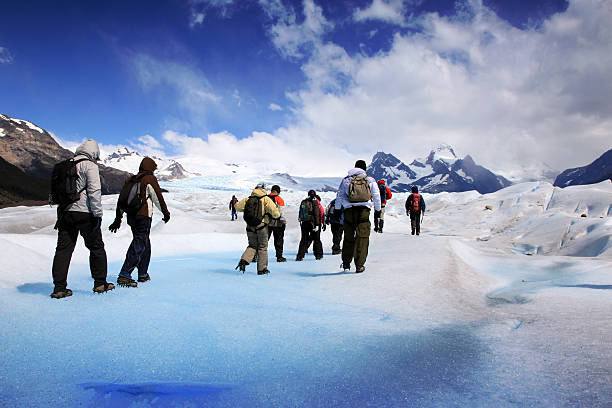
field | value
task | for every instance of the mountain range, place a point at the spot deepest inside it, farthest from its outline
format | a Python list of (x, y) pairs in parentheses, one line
[(599, 170), (129, 160), (440, 171)]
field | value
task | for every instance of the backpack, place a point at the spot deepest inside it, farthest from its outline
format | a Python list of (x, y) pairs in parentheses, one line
[(309, 211), (359, 189), (252, 211), (274, 222), (416, 202), (63, 183), (130, 201)]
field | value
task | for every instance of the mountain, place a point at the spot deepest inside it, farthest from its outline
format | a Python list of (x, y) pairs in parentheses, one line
[(440, 171), (599, 170), (18, 188), (34, 152), (129, 160)]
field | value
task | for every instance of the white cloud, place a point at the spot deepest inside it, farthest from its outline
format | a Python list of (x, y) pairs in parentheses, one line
[(391, 11), (275, 107), (5, 56)]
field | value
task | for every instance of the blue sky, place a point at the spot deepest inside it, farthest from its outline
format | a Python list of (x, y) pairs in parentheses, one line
[(166, 75)]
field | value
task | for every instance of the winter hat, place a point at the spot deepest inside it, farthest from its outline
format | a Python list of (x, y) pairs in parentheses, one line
[(415, 189), (276, 189), (381, 182), (361, 164), (261, 185), (312, 193)]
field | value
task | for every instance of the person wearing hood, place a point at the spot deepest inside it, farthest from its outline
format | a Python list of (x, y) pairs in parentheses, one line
[(415, 206), (357, 193), (258, 209), (139, 253), (312, 218), (385, 194), (82, 217)]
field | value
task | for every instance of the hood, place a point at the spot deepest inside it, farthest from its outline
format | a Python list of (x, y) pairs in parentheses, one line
[(259, 192), (381, 182), (147, 164), (90, 149), (356, 172)]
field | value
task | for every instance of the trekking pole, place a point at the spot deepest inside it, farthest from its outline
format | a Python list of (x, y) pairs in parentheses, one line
[(422, 217)]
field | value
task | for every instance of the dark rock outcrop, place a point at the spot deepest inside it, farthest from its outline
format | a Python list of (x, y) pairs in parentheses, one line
[(598, 171)]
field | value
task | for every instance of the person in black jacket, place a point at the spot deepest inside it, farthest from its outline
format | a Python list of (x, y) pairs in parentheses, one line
[(415, 206)]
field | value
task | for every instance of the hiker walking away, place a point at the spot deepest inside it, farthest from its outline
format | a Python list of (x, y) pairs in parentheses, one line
[(79, 212), (258, 209), (276, 227), (145, 192), (385, 194), (232, 207), (356, 194), (311, 217), (415, 206), (336, 227)]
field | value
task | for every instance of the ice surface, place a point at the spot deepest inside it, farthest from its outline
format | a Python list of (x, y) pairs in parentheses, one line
[(459, 316)]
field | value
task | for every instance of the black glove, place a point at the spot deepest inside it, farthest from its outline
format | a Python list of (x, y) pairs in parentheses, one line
[(166, 218), (324, 227), (377, 214), (115, 225)]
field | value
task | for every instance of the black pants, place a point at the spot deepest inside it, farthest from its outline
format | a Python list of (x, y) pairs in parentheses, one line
[(310, 235), (139, 253), (279, 238), (70, 224), (415, 222), (337, 230)]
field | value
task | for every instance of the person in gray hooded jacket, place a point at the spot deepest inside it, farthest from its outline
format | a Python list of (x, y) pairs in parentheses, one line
[(82, 217)]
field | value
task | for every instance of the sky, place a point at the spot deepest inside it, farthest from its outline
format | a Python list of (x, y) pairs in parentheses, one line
[(312, 85)]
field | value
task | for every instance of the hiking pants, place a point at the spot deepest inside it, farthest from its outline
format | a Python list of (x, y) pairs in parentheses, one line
[(336, 230), (139, 253), (234, 215), (380, 220), (310, 235), (356, 235), (258, 244), (70, 225), (279, 238), (415, 222)]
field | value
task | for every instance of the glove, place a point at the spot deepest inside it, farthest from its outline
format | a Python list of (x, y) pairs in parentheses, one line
[(115, 225), (377, 213), (324, 227), (166, 218)]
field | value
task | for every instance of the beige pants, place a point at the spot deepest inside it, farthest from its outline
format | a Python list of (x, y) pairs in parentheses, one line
[(258, 244)]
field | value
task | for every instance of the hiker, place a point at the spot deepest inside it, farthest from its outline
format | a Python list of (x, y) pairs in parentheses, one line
[(385, 194), (415, 206), (232, 207), (356, 194), (336, 226), (311, 217), (83, 216), (139, 219), (258, 209), (276, 227)]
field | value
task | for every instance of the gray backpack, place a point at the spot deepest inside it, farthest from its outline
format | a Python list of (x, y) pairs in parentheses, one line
[(359, 189)]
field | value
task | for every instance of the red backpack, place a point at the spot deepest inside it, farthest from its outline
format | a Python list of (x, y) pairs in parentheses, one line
[(416, 202)]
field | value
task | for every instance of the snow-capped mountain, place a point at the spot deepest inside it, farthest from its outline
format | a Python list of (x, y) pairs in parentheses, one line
[(599, 170), (129, 160), (440, 171)]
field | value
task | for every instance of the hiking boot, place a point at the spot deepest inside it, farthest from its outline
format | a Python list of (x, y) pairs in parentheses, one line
[(263, 272), (360, 269), (299, 258), (318, 257), (336, 251), (412, 232), (145, 278), (281, 259), (346, 267), (126, 282), (61, 293), (104, 287), (242, 265)]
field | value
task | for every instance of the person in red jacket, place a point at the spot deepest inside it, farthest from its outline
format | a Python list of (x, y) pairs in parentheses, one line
[(385, 194)]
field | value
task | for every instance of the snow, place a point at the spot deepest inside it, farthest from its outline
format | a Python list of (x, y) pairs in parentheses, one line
[(458, 316), (24, 122), (2, 134)]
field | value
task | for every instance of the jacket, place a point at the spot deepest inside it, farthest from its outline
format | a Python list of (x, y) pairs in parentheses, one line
[(150, 192), (268, 207), (388, 194), (281, 208), (329, 218), (409, 203), (88, 172), (342, 195)]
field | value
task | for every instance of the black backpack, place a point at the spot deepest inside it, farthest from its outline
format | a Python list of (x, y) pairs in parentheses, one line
[(309, 211), (252, 211), (64, 183), (130, 200)]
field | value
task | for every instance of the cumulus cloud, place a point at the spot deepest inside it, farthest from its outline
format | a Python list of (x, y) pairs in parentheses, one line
[(275, 107), (391, 11), (5, 56)]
